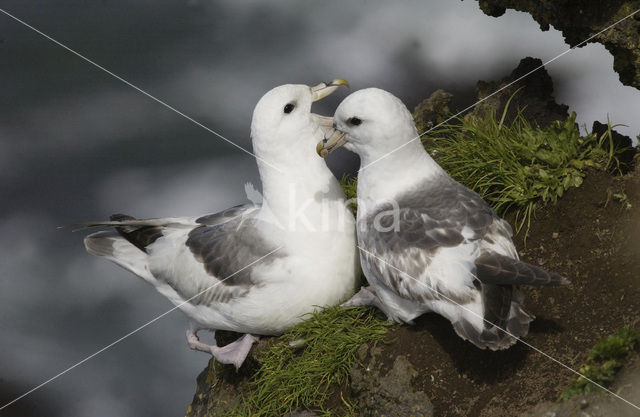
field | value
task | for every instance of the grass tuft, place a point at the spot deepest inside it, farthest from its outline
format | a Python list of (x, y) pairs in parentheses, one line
[(300, 377), (350, 187), (603, 361), (516, 166)]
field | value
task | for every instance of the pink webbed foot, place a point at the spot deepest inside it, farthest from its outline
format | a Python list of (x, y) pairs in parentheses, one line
[(234, 353)]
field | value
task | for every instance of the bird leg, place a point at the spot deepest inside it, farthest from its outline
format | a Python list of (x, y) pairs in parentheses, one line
[(234, 353), (367, 297), (194, 341), (364, 297)]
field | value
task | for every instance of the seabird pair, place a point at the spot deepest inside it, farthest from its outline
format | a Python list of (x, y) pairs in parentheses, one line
[(425, 242)]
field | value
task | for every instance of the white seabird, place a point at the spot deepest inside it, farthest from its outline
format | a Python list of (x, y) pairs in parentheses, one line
[(264, 264), (428, 243)]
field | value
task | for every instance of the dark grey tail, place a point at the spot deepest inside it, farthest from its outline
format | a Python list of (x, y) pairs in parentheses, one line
[(139, 236), (504, 319)]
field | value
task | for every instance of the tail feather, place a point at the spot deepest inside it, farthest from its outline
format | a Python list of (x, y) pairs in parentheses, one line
[(497, 304), (495, 331), (101, 243), (139, 236), (111, 245), (133, 222)]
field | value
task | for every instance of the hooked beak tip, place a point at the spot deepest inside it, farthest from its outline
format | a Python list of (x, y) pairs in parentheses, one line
[(324, 89), (330, 143), (320, 149), (339, 81)]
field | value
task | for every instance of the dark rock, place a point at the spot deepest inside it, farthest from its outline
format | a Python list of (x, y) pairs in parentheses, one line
[(387, 392), (214, 395), (580, 19), (620, 141), (433, 110), (535, 97), (219, 388)]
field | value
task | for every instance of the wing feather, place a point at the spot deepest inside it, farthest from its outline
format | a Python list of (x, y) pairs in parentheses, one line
[(224, 245), (217, 249), (493, 268), (436, 217)]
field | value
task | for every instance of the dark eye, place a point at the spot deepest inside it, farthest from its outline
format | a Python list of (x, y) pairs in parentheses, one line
[(289, 108), (354, 121)]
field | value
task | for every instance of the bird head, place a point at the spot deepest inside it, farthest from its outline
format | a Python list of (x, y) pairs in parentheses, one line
[(283, 115), (369, 122)]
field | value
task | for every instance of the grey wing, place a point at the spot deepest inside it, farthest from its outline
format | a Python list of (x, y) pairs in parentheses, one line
[(225, 249), (214, 259), (401, 243), (228, 246)]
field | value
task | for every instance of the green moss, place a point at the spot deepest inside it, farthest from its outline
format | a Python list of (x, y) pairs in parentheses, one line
[(516, 166), (604, 360), (350, 187), (623, 199), (301, 376)]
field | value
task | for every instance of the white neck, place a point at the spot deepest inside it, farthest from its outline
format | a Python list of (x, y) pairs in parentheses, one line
[(382, 177), (305, 196)]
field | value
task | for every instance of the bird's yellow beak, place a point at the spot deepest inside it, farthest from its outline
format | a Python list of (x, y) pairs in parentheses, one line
[(322, 90), (331, 143)]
